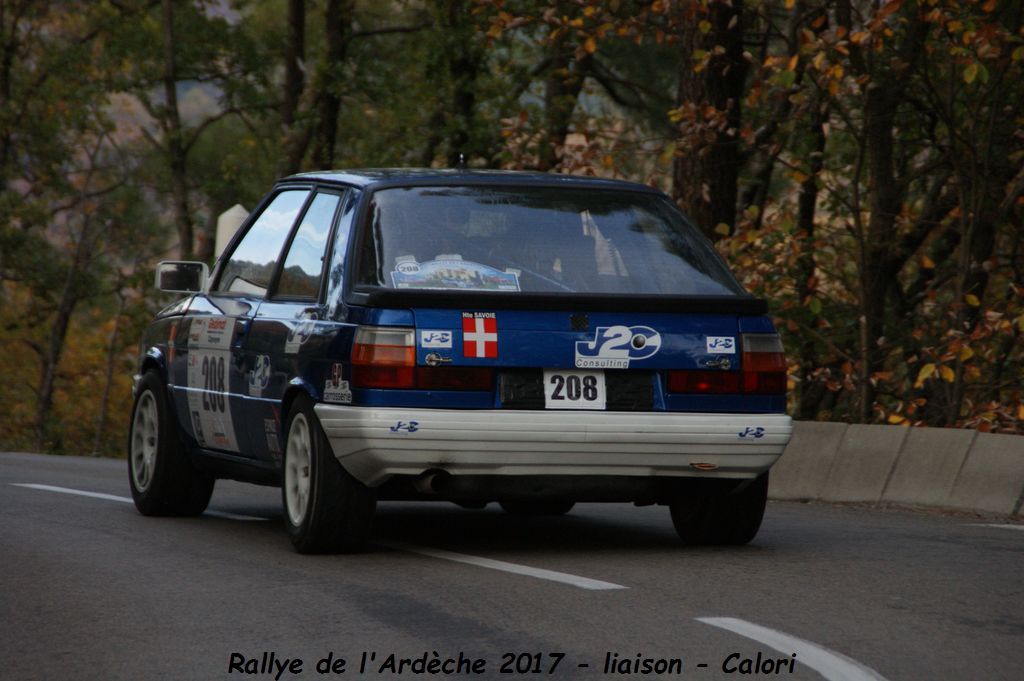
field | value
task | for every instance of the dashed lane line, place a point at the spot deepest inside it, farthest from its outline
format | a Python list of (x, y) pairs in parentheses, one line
[(514, 568), (114, 497), (830, 664)]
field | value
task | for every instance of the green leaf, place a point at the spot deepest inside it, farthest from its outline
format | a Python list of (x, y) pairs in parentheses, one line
[(970, 73), (815, 306)]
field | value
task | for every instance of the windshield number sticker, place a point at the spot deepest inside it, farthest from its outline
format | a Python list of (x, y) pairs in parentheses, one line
[(614, 347), (574, 390), (721, 345)]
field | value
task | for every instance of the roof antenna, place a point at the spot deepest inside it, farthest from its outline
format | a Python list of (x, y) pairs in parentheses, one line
[(461, 165)]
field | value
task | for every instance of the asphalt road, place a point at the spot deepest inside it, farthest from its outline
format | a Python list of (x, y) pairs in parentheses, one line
[(89, 589)]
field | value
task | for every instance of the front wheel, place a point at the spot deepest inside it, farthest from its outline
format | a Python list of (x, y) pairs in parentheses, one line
[(723, 519), (163, 479), (326, 509)]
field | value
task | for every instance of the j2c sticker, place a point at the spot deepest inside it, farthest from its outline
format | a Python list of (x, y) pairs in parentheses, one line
[(614, 347)]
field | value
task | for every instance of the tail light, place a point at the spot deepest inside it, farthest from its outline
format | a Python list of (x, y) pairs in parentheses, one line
[(763, 363), (386, 358), (763, 371), (383, 358)]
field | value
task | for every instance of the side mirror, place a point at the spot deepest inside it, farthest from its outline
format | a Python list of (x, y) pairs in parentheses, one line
[(175, 276)]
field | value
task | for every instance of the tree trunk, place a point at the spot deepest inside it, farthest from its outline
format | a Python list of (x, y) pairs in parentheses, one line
[(294, 58), (101, 420), (337, 25), (175, 145), (705, 179), (806, 266)]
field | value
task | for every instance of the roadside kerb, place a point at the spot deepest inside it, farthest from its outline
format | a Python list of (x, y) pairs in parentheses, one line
[(803, 469), (992, 477), (928, 465), (863, 464)]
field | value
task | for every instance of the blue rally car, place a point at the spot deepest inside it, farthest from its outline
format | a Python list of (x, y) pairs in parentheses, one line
[(530, 339)]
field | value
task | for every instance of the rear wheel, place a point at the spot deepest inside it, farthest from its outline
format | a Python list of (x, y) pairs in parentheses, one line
[(326, 509), (538, 506), (724, 519), (163, 479)]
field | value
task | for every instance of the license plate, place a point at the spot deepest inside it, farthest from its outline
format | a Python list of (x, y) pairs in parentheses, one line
[(574, 389)]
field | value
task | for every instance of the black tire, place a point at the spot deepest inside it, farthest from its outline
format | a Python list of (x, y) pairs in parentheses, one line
[(723, 519), (163, 480), (326, 510), (537, 506)]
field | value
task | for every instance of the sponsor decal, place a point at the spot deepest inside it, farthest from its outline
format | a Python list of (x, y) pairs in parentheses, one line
[(721, 345), (451, 272), (298, 335), (614, 347), (435, 339), (479, 334), (754, 432), (207, 375), (259, 377), (405, 427), (273, 441), (336, 389)]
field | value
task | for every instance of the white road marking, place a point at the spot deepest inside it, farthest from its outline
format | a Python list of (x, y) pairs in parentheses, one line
[(830, 664), (113, 497), (1002, 527), (550, 575)]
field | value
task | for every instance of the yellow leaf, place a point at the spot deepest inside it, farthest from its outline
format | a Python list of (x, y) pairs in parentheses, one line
[(966, 353), (704, 26), (896, 419), (799, 177), (922, 375), (859, 37), (954, 26), (790, 4), (1020, 413), (947, 374), (590, 45), (927, 263), (722, 228), (972, 300), (1018, 53)]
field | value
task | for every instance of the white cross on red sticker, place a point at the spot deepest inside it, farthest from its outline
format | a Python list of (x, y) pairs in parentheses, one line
[(479, 334)]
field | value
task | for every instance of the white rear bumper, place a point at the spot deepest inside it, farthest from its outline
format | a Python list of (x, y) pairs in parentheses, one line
[(375, 443)]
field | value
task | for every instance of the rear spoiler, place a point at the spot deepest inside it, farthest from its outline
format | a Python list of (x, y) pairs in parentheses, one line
[(598, 302)]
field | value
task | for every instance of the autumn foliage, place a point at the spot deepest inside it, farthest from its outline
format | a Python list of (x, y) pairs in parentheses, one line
[(860, 165)]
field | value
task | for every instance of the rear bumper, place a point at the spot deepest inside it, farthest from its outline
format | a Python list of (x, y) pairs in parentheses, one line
[(374, 444)]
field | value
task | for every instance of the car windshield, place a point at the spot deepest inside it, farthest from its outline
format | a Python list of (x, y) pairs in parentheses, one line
[(537, 240)]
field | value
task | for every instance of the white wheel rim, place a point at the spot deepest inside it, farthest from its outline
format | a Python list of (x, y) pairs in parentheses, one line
[(296, 471), (145, 437)]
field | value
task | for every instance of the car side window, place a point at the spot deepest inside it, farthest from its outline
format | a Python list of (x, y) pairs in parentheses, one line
[(252, 263), (304, 263)]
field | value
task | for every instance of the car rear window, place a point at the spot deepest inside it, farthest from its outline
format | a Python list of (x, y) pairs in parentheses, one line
[(537, 240)]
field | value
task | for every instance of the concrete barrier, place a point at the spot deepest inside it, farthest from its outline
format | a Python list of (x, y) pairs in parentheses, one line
[(992, 477), (940, 467), (863, 464), (803, 469), (928, 466)]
